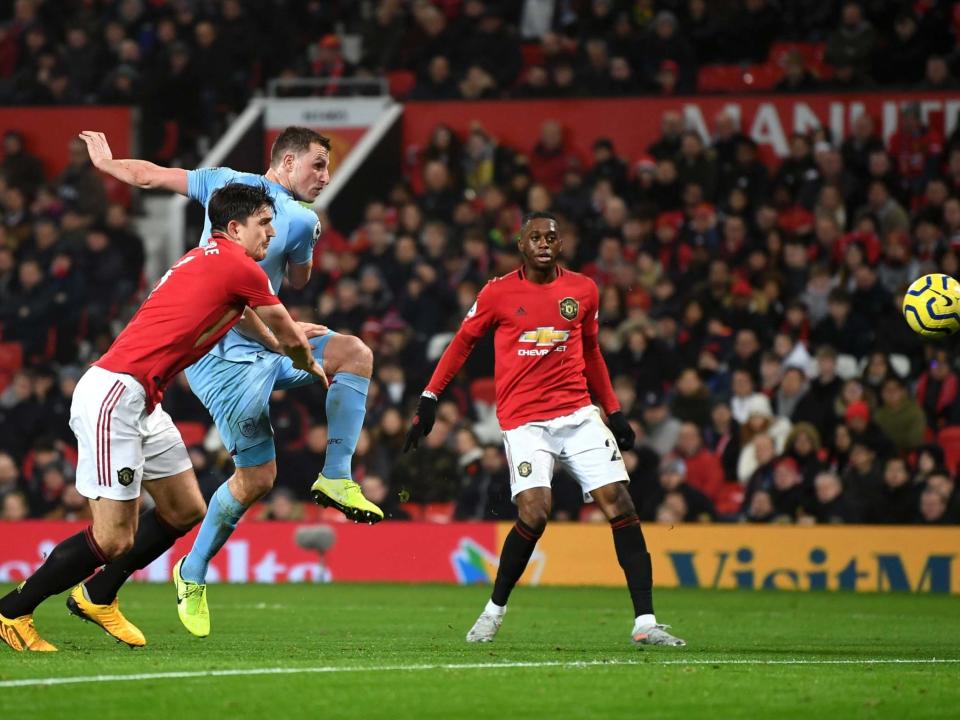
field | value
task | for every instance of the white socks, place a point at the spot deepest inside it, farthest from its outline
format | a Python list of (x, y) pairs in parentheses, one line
[(493, 609), (644, 621)]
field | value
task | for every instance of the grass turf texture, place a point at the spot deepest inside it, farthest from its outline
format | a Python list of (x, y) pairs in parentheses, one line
[(394, 629)]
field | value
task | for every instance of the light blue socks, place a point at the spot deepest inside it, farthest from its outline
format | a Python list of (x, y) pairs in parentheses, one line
[(346, 408), (217, 527)]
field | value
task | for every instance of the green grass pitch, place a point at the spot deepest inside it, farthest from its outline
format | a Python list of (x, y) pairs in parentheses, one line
[(396, 651)]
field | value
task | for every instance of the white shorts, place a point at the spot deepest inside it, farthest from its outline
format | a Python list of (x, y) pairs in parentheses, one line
[(120, 445), (580, 441)]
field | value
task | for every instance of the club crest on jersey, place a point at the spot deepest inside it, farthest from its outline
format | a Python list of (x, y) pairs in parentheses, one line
[(248, 427), (125, 476), (569, 308), (524, 469)]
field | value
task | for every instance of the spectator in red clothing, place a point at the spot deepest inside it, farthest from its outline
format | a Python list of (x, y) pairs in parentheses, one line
[(549, 159), (937, 389), (704, 471), (916, 148), (674, 256)]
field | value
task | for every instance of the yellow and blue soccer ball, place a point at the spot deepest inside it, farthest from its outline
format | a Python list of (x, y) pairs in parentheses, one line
[(931, 305)]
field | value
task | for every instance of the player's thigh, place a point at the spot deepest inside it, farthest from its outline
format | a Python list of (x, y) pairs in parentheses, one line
[(530, 457), (290, 377), (237, 395), (178, 499), (590, 454), (105, 415)]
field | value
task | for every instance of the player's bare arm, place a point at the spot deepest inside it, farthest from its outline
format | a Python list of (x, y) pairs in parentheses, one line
[(292, 339), (140, 173), (299, 275)]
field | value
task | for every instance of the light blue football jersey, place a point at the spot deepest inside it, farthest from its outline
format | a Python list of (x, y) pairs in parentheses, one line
[(297, 231)]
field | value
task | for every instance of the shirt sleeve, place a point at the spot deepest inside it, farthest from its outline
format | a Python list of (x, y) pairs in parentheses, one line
[(202, 182), (594, 366), (305, 230), (480, 318), (253, 286)]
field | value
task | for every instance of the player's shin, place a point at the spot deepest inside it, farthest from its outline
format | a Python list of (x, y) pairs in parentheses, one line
[(154, 537), (346, 407), (635, 560), (69, 563), (221, 520), (517, 549)]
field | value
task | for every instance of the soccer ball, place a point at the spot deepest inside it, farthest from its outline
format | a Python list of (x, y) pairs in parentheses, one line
[(931, 305)]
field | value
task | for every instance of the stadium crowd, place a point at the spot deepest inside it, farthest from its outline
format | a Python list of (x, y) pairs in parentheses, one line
[(749, 309)]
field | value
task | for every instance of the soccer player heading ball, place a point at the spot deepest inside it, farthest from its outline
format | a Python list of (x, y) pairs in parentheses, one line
[(547, 362), (125, 437)]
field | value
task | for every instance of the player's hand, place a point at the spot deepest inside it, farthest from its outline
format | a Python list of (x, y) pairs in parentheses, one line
[(97, 147), (621, 430), (312, 330), (314, 368), (422, 422)]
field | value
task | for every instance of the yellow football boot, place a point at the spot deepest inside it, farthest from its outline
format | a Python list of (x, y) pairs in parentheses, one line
[(107, 617), (20, 634), (191, 603), (346, 496)]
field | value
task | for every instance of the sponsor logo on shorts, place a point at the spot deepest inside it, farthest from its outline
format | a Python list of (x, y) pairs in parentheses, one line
[(125, 476), (569, 308), (546, 340), (248, 427), (524, 469)]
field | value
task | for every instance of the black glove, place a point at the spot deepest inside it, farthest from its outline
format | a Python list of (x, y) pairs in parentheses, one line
[(422, 422), (621, 430)]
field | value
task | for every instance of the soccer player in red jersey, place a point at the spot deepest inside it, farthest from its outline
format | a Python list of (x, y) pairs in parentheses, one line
[(547, 362), (124, 435)]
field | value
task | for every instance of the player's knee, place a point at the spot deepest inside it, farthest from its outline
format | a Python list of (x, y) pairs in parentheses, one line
[(535, 518), (184, 517), (352, 355), (116, 543), (255, 482)]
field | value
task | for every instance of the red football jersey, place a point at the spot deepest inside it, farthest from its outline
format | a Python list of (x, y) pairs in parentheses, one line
[(541, 335), (191, 307)]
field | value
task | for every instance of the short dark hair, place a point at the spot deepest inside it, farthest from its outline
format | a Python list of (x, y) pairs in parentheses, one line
[(236, 201), (538, 215), (296, 140)]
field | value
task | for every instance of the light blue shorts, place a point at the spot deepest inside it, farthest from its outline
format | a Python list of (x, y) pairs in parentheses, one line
[(237, 394)]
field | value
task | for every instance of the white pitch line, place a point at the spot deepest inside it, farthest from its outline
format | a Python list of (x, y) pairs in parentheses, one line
[(244, 672)]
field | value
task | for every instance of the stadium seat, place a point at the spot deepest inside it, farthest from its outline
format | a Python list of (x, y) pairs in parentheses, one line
[(438, 512), (532, 54), (949, 440), (762, 77), (721, 79), (414, 510), (193, 433), (484, 390), (401, 83), (11, 360)]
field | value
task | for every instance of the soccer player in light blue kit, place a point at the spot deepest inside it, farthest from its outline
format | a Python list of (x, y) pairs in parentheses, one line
[(235, 379)]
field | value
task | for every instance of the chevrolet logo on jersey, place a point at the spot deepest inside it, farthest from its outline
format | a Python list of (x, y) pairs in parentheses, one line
[(546, 340), (544, 336)]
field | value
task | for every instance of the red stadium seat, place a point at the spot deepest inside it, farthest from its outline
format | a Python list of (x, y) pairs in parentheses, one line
[(483, 390), (193, 433), (439, 512), (721, 79), (949, 439), (401, 83), (532, 54), (414, 510), (762, 77), (11, 360)]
